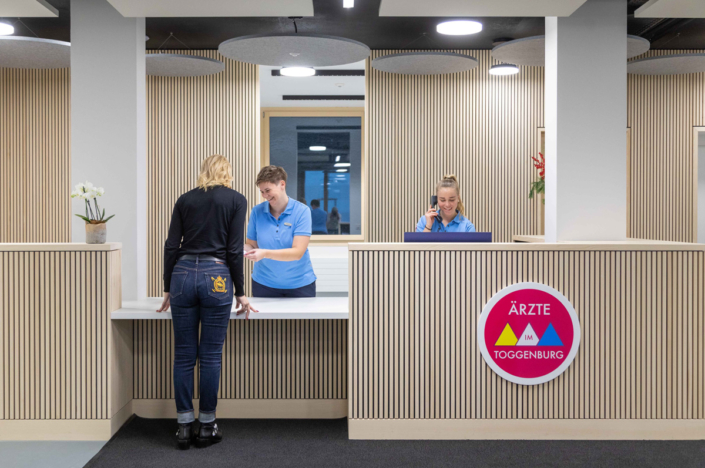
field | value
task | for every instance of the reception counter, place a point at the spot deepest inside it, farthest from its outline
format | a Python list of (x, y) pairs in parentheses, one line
[(62, 361), (416, 371)]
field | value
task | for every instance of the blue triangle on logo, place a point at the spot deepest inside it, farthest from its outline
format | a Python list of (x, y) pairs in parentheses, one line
[(550, 337)]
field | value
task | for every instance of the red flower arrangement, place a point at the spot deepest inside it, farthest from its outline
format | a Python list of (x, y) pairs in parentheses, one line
[(539, 185)]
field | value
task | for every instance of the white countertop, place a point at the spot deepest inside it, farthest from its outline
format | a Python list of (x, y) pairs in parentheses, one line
[(269, 308)]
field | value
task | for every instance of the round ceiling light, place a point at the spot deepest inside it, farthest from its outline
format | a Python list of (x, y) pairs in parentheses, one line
[(317, 148), (504, 69), (459, 27), (6, 29), (294, 50), (297, 71), (424, 63)]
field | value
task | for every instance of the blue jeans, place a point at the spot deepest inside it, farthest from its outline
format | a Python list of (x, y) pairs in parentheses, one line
[(260, 290), (201, 292)]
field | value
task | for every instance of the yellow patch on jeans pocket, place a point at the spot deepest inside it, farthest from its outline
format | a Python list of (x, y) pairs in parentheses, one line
[(219, 285)]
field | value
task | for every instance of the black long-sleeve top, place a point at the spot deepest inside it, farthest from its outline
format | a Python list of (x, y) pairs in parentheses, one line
[(208, 222)]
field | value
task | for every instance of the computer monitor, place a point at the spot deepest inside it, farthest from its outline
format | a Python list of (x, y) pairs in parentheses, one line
[(447, 237)]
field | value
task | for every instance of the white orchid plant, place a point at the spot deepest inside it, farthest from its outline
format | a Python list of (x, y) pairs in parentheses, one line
[(88, 192)]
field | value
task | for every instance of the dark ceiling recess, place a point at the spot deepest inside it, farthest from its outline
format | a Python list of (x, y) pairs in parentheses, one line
[(362, 23), (323, 97)]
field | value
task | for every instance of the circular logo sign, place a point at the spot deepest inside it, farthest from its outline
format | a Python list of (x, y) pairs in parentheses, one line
[(528, 333)]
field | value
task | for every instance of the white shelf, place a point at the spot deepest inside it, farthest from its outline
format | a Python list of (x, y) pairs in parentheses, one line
[(269, 308)]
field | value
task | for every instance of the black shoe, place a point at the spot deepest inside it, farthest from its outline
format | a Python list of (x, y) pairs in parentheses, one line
[(185, 435), (208, 434)]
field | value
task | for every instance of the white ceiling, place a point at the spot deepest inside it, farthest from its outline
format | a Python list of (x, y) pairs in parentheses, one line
[(272, 88), (27, 9), (479, 7), (212, 8), (672, 9)]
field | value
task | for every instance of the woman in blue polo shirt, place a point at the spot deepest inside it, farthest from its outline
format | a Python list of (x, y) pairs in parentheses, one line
[(450, 214), (277, 241)]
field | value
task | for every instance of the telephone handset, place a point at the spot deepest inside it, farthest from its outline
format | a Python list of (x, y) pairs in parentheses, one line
[(434, 203)]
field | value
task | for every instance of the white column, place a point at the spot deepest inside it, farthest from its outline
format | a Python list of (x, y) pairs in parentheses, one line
[(586, 121), (108, 128)]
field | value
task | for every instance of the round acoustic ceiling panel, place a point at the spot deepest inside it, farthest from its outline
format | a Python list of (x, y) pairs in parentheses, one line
[(678, 64), (294, 50), (424, 63), (34, 53), (182, 65), (531, 51)]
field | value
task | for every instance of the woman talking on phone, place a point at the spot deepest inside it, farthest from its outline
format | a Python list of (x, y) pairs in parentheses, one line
[(450, 216), (202, 273), (277, 241)]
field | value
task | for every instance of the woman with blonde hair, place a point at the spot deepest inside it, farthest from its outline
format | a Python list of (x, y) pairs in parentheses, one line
[(450, 216), (203, 258)]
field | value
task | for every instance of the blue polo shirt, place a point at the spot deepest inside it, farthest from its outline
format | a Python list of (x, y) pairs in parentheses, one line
[(459, 224), (275, 234), (319, 218)]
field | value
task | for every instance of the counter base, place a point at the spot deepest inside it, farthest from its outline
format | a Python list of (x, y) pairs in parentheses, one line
[(64, 429), (252, 409), (526, 429)]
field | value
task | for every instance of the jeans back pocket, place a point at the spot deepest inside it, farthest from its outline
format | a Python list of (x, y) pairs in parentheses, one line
[(178, 278), (219, 285)]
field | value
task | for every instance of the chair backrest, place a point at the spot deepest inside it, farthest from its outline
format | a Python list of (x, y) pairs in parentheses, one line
[(331, 267)]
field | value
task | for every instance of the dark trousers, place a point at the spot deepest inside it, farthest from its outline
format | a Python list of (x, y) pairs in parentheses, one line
[(260, 290), (201, 293)]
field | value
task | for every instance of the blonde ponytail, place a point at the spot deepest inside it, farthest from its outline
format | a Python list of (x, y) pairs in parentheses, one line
[(450, 181)]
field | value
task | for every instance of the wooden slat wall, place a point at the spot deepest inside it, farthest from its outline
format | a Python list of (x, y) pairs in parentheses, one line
[(35, 165), (413, 327), (188, 120), (54, 319), (480, 127), (262, 359), (662, 112)]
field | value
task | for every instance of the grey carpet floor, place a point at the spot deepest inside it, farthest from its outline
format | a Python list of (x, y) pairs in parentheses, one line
[(322, 443)]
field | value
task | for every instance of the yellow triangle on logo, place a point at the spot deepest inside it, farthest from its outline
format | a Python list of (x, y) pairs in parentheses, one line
[(507, 338)]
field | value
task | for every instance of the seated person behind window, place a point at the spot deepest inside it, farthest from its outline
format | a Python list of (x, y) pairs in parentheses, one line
[(450, 216), (333, 224), (319, 218), (277, 241)]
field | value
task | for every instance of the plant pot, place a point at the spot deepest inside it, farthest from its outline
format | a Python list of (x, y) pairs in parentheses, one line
[(95, 233)]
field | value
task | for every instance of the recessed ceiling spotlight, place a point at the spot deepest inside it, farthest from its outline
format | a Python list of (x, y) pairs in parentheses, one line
[(342, 165), (297, 71), (348, 3), (459, 28), (6, 29), (341, 170), (504, 69), (317, 148)]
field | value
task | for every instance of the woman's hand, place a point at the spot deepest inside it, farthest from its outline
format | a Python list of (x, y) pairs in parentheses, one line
[(430, 216), (256, 254), (244, 307), (165, 303)]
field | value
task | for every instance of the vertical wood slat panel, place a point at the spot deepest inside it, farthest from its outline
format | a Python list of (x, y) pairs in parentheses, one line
[(478, 126), (188, 120), (52, 333), (638, 358), (35, 154), (262, 359), (662, 111)]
